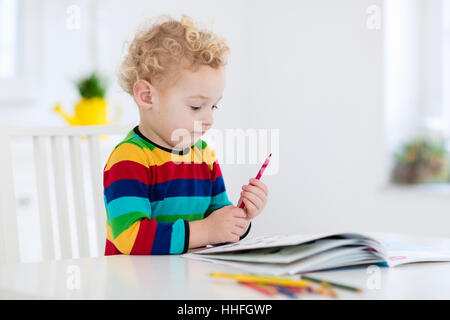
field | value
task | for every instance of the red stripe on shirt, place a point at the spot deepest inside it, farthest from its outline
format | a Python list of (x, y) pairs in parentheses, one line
[(216, 172), (110, 249), (144, 239), (185, 170), (125, 170)]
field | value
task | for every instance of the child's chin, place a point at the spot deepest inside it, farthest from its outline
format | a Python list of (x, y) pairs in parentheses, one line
[(188, 141)]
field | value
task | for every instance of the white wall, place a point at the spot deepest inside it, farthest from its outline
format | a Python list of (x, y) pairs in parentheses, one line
[(311, 69)]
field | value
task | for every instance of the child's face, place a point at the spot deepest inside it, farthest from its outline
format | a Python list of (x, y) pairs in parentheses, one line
[(178, 115)]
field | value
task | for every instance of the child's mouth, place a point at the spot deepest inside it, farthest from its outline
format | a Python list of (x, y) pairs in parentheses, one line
[(199, 133)]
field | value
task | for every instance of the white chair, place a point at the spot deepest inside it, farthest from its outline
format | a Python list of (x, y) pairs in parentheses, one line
[(56, 137)]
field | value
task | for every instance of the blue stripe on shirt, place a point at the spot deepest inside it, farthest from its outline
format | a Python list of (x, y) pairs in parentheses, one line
[(126, 187), (218, 186), (180, 187), (161, 242)]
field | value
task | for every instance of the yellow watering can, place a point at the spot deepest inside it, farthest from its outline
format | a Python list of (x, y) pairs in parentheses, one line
[(89, 112)]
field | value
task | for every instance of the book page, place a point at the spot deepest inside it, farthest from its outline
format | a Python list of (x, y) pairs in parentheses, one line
[(276, 241), (401, 248)]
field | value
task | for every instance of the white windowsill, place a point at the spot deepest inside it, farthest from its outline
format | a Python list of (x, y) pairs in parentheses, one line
[(426, 188)]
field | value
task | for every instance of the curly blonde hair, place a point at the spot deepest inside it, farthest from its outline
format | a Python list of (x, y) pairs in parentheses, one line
[(156, 54)]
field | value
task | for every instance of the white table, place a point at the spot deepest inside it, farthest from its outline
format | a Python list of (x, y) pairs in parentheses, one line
[(178, 278)]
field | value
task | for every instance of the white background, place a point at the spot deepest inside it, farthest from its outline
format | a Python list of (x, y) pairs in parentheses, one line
[(311, 69)]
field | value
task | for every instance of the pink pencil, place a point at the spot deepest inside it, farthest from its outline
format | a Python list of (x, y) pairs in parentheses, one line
[(260, 173)]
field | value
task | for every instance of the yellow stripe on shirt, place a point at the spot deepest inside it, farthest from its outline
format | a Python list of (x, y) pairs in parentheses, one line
[(125, 241)]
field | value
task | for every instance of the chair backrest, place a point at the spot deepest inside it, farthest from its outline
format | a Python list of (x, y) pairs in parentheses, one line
[(48, 147)]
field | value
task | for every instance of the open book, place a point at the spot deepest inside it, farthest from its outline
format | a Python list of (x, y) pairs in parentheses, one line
[(292, 254)]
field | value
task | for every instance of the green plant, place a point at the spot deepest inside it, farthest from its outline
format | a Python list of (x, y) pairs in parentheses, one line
[(420, 160), (92, 86)]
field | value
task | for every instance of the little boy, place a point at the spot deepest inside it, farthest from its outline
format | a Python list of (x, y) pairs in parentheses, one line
[(163, 188)]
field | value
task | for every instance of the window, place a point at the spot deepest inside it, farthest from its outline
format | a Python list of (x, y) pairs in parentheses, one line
[(8, 37), (446, 63), (20, 50), (417, 85)]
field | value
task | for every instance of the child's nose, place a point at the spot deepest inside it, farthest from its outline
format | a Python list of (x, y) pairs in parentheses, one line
[(208, 121)]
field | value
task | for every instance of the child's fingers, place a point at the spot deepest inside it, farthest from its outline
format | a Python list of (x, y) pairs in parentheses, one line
[(237, 230), (253, 198), (251, 208), (258, 183), (239, 213), (253, 189), (242, 223), (234, 236)]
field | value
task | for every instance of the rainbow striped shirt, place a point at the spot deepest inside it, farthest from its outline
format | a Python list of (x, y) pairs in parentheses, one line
[(151, 192)]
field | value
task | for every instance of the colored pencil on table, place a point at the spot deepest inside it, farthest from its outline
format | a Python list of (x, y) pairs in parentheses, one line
[(296, 289), (328, 289), (260, 173), (257, 287), (271, 288), (333, 284), (263, 279), (286, 292), (325, 289)]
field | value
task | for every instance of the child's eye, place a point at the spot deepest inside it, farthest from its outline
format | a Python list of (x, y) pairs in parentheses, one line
[(197, 108)]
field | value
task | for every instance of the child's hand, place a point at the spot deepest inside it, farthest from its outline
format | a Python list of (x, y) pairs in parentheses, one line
[(255, 197), (226, 224)]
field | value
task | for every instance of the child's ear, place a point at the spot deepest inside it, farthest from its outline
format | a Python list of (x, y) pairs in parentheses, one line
[(147, 97), (142, 93)]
